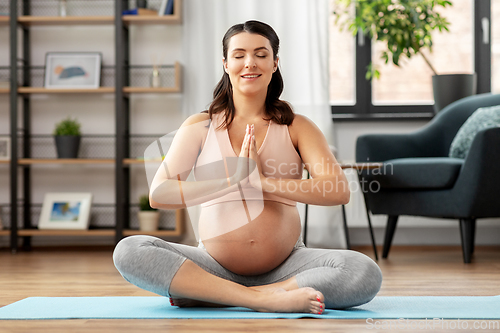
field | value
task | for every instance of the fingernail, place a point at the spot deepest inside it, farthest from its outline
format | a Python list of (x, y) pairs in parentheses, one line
[(317, 297), (321, 306)]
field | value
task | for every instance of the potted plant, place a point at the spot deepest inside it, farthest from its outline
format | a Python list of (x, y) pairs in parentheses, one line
[(405, 26), (148, 216), (67, 136)]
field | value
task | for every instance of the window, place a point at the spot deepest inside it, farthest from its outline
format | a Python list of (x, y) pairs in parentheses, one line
[(406, 91)]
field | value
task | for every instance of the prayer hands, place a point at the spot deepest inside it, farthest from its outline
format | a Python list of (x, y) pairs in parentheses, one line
[(249, 168)]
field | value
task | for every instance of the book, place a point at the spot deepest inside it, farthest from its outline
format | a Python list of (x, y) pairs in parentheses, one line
[(140, 12), (166, 7), (163, 6), (170, 8)]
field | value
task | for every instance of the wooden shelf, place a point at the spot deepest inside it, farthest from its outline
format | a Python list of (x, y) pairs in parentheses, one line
[(150, 90), (31, 161), (4, 161), (176, 18), (4, 20), (4, 90), (47, 232), (4, 232), (157, 233), (133, 161), (41, 90), (68, 20)]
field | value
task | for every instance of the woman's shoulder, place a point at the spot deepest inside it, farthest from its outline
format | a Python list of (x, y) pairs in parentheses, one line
[(301, 123), (302, 126), (196, 118)]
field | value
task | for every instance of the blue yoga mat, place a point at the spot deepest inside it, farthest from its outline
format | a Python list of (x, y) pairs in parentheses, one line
[(381, 307)]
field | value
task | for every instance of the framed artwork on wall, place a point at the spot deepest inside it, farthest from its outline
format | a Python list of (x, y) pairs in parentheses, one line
[(66, 70), (65, 211)]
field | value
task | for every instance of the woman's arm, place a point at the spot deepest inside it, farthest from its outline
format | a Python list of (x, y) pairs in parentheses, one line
[(328, 186), (169, 188)]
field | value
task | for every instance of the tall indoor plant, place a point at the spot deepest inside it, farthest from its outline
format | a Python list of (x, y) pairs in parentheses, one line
[(405, 26), (67, 136)]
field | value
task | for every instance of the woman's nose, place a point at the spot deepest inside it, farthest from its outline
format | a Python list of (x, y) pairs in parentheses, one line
[(250, 62)]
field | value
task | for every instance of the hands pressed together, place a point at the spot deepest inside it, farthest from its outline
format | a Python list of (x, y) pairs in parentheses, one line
[(249, 168)]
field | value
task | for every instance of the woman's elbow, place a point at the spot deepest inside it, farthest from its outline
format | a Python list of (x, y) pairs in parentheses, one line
[(343, 193)]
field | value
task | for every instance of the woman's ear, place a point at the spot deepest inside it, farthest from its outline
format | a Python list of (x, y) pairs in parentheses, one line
[(224, 64), (276, 64)]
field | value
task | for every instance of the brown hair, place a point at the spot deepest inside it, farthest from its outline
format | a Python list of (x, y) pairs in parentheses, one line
[(278, 111)]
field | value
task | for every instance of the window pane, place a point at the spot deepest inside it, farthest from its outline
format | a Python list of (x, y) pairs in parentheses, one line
[(495, 46), (341, 62), (452, 52)]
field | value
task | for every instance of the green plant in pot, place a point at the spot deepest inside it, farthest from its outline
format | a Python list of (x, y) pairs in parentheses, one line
[(149, 217), (405, 27), (67, 136)]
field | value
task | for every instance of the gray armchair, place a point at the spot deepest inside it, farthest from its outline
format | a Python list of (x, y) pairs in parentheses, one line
[(419, 179)]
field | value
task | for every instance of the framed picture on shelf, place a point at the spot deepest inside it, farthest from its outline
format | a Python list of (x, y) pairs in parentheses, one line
[(72, 70), (4, 148), (65, 211)]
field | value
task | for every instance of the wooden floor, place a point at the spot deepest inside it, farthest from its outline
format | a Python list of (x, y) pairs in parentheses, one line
[(90, 272)]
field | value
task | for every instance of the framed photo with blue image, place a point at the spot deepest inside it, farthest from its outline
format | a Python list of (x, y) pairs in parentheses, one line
[(65, 211), (70, 70)]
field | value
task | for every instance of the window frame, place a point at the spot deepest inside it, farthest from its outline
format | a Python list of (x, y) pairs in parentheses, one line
[(364, 109)]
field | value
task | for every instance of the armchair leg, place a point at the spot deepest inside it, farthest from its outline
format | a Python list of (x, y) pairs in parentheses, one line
[(473, 238), (392, 221), (467, 227)]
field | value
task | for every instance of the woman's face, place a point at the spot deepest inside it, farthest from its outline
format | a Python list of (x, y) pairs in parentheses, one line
[(250, 63)]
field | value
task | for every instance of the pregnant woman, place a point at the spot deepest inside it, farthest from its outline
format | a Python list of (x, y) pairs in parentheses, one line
[(248, 152)]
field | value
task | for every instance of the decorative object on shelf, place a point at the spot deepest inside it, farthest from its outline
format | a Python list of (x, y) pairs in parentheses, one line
[(405, 27), (65, 211), (142, 3), (67, 137), (72, 70), (148, 216), (4, 148), (166, 8), (155, 76), (63, 6)]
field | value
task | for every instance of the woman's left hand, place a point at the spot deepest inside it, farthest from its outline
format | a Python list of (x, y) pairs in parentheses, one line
[(256, 177)]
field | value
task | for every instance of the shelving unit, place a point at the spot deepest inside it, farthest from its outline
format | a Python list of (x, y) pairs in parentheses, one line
[(122, 87)]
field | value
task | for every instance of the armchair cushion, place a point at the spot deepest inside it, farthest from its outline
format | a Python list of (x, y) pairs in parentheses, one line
[(417, 173), (481, 119)]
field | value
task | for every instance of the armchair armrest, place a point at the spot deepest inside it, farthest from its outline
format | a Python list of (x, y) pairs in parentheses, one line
[(383, 147), (480, 174)]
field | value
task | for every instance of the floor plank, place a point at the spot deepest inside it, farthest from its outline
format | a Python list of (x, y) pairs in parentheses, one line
[(409, 270)]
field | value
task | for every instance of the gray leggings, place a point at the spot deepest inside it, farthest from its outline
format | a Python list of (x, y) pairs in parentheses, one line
[(346, 278)]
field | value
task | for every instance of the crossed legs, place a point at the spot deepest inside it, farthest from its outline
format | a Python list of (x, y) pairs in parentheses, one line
[(337, 278)]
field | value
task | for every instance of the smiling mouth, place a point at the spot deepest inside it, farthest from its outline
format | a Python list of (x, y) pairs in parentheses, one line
[(250, 76)]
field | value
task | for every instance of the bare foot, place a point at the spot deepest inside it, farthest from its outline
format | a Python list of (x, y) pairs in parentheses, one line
[(305, 300), (290, 284), (190, 303)]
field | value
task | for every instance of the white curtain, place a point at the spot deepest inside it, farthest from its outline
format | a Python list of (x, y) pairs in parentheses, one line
[(302, 27)]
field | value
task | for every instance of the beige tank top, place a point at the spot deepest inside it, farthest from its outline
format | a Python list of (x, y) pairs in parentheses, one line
[(278, 157)]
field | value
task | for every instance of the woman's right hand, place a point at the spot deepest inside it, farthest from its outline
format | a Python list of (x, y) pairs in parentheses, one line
[(245, 165)]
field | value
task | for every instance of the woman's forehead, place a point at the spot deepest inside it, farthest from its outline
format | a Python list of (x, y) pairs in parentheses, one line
[(247, 41)]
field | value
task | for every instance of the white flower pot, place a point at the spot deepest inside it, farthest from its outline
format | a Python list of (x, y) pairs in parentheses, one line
[(148, 220)]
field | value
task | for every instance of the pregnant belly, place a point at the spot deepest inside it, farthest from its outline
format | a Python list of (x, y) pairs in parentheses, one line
[(249, 240)]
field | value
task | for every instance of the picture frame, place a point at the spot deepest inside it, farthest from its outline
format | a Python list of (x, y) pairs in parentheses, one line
[(72, 70), (4, 148), (65, 211)]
